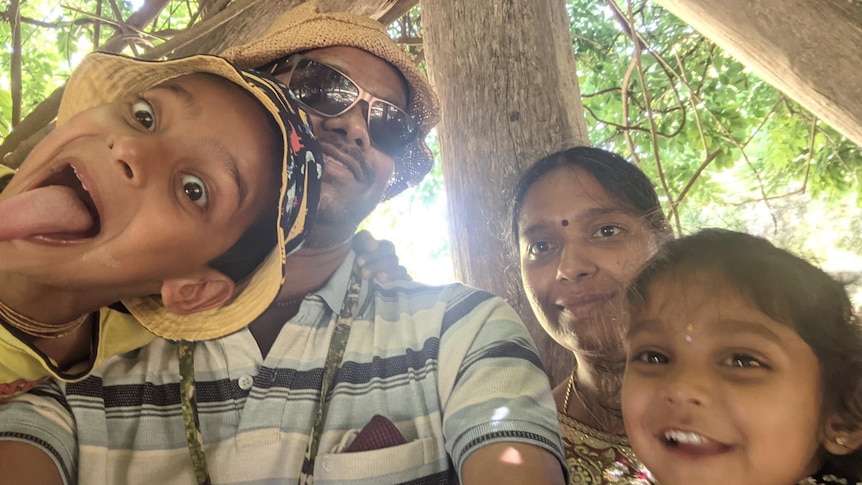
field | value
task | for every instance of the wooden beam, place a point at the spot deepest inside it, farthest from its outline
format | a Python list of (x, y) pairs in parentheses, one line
[(243, 20), (237, 24), (384, 11), (809, 50)]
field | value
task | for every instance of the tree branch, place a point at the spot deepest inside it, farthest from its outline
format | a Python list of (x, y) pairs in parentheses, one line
[(17, 89), (8, 17), (125, 31), (650, 116), (97, 27), (709, 158), (148, 12), (625, 104)]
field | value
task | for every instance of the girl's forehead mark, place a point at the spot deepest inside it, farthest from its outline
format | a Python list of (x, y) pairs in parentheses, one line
[(564, 222)]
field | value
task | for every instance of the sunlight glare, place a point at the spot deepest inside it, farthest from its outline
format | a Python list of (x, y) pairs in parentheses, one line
[(511, 456), (500, 414), (420, 233)]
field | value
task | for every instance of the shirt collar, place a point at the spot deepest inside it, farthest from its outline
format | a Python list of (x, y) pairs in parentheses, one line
[(335, 289)]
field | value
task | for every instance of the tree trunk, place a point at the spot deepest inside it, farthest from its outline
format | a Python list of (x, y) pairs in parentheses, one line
[(384, 11), (505, 73), (809, 50), (240, 22)]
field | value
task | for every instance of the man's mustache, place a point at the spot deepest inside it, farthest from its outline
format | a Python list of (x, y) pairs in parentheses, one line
[(366, 172)]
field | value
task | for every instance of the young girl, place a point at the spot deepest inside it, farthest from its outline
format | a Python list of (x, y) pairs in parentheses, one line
[(744, 366)]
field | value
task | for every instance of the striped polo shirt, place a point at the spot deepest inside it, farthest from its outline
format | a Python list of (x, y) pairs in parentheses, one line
[(453, 368)]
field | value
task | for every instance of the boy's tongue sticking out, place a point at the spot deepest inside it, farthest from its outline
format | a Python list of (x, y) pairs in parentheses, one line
[(55, 212)]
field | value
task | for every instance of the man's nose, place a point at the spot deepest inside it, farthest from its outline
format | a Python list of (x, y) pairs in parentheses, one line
[(351, 125)]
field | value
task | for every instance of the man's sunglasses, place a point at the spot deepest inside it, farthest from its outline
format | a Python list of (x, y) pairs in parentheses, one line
[(329, 92)]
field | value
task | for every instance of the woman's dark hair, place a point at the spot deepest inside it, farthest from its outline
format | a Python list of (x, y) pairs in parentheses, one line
[(788, 290), (261, 236), (622, 181)]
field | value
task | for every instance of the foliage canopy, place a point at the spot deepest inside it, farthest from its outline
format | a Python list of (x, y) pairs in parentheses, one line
[(724, 148)]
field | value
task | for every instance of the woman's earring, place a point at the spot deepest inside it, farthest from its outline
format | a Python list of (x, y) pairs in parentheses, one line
[(840, 441)]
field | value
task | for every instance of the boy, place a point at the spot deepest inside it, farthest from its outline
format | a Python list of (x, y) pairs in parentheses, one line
[(161, 178)]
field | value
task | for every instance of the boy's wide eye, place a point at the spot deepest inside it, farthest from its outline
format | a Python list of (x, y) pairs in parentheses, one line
[(195, 189), (144, 114)]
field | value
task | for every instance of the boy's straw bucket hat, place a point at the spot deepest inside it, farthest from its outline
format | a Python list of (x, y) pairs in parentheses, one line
[(104, 78)]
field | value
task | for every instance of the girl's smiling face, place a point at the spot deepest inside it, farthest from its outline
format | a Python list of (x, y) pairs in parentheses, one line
[(717, 392)]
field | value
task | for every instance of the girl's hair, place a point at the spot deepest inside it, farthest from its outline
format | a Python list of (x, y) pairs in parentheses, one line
[(788, 290), (623, 181)]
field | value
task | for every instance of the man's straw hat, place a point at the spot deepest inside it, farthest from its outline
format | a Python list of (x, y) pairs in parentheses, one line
[(104, 78), (305, 28)]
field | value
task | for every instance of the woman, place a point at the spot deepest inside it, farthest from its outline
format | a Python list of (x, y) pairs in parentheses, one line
[(584, 220)]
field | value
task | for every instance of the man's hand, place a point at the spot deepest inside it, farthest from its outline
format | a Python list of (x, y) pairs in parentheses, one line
[(23, 463), (512, 463), (378, 259)]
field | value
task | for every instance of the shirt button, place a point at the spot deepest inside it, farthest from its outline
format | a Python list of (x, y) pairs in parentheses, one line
[(245, 382)]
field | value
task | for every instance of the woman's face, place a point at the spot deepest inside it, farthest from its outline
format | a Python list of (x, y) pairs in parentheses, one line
[(579, 247)]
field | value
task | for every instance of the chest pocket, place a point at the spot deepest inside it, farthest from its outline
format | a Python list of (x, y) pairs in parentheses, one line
[(395, 464)]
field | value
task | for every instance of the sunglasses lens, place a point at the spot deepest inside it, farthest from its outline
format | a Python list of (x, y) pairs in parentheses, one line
[(330, 93), (322, 88), (391, 128)]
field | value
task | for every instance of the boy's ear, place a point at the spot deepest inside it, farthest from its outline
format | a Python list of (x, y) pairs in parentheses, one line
[(204, 291), (838, 440)]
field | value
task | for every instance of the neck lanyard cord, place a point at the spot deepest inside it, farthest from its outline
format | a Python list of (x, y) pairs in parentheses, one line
[(334, 357)]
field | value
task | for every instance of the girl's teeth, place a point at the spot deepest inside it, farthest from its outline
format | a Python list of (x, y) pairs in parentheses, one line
[(684, 437)]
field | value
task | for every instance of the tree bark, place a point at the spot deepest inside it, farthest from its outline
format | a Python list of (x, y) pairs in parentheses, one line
[(245, 20), (15, 68), (505, 73), (240, 22), (809, 50), (384, 11), (148, 12)]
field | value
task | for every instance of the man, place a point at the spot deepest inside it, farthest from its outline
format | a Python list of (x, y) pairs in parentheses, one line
[(340, 381)]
